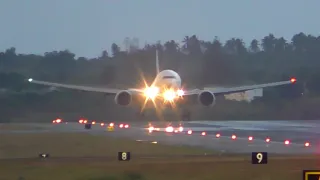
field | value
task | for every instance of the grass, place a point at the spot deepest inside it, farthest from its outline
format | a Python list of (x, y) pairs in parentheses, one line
[(80, 145), (16, 126)]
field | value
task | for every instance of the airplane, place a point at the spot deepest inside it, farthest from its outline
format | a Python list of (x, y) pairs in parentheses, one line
[(166, 87)]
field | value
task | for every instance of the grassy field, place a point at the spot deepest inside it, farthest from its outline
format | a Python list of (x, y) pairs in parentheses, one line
[(83, 145), (16, 126)]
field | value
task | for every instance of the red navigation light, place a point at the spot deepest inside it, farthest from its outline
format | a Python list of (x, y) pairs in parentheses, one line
[(307, 144), (250, 138), (203, 133), (268, 140), (286, 142), (293, 80), (233, 137), (218, 135)]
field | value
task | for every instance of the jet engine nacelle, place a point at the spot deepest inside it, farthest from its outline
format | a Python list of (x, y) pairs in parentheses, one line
[(206, 98), (123, 98)]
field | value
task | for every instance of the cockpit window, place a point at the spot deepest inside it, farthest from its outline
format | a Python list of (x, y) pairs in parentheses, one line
[(168, 77)]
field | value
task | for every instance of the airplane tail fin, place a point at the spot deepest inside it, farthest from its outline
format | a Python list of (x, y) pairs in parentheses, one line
[(157, 62)]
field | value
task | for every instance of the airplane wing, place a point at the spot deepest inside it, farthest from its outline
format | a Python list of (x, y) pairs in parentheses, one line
[(222, 91), (82, 88)]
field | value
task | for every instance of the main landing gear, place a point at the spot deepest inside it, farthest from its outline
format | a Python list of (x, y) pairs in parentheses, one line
[(186, 115)]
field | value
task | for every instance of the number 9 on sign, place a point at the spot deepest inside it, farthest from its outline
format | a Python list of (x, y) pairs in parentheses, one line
[(123, 156), (259, 158)]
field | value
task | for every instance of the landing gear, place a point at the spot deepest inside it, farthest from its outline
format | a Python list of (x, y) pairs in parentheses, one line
[(185, 115)]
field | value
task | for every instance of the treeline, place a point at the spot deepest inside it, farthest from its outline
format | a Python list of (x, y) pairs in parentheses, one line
[(200, 63)]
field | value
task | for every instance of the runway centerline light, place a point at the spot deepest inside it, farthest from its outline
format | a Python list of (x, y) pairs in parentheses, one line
[(218, 135), (233, 137), (286, 142)]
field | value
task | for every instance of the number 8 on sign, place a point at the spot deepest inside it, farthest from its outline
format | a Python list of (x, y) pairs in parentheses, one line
[(123, 156), (259, 158)]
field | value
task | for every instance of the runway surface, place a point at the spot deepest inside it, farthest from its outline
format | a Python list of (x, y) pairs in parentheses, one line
[(297, 132)]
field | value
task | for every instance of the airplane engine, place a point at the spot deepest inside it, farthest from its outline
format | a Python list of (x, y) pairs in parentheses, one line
[(123, 98), (206, 98)]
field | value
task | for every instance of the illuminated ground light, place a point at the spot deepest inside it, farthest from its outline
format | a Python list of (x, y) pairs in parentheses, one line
[(93, 122), (218, 135), (286, 142), (268, 140), (189, 132), (250, 138), (126, 126), (307, 144), (180, 129), (169, 129), (203, 133), (121, 126), (102, 124), (233, 137)]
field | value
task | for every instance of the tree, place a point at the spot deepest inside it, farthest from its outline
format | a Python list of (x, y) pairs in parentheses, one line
[(254, 46), (115, 49)]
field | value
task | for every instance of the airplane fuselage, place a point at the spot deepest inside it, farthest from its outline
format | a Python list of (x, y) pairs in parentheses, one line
[(168, 79)]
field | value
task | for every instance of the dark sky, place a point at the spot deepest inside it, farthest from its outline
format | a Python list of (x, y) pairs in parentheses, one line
[(86, 27)]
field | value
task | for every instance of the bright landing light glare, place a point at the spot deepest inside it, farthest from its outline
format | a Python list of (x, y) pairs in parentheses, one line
[(151, 92), (169, 95)]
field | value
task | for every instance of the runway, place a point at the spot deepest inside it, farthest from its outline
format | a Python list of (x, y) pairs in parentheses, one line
[(296, 132)]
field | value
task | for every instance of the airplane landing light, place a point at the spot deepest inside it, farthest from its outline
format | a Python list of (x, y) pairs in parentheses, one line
[(293, 80), (218, 135), (169, 95), (233, 137)]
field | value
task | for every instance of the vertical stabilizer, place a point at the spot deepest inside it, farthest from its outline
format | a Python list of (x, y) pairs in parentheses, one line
[(157, 62)]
